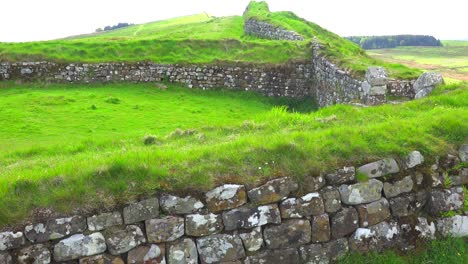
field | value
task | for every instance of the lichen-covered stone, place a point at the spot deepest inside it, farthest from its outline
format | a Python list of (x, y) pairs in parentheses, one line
[(456, 226), (291, 233), (272, 191), (151, 254), (376, 76), (104, 220), (220, 248), (425, 229), (198, 225), (396, 188), (6, 258), (313, 183), (331, 199), (11, 240), (340, 176), (226, 197), (426, 83), (377, 237), (373, 213), (78, 246), (307, 205), (336, 249), (252, 240), (460, 179), (247, 217), (320, 228), (380, 168), (55, 229), (408, 204), (313, 253), (102, 259), (359, 193), (140, 211), (121, 239), (178, 205), (414, 159), (344, 222), (446, 200), (35, 254), (165, 229), (183, 251), (463, 153), (283, 256)]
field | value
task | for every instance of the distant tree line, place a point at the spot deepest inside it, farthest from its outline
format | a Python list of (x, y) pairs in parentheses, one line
[(119, 25), (383, 42)]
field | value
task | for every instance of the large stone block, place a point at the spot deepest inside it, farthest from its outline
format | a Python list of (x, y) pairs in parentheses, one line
[(177, 205), (183, 251), (310, 204), (336, 249), (408, 204), (331, 199), (373, 213), (446, 200), (425, 229), (10, 240), (456, 226), (104, 220), (252, 240), (37, 254), (426, 83), (102, 259), (291, 233), (377, 237), (341, 176), (151, 254), (359, 193), (220, 248), (226, 197), (313, 253), (140, 211), (320, 228), (55, 229), (122, 239), (198, 225), (78, 246), (380, 168), (164, 229), (272, 191), (414, 159), (283, 256), (376, 76), (313, 183), (396, 188), (344, 223), (247, 217)]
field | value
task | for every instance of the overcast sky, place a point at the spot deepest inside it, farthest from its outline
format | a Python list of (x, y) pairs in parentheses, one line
[(27, 20)]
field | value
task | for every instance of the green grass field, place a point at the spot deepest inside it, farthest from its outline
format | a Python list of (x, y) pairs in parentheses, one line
[(65, 147)]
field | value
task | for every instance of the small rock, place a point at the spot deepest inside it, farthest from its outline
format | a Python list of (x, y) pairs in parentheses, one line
[(340, 176), (378, 237), (408, 204), (10, 240), (177, 205), (220, 248), (247, 217), (121, 239), (78, 246), (320, 228), (198, 225), (398, 187), (55, 229), (226, 197), (424, 229), (36, 254), (252, 240), (463, 153), (344, 222), (291, 233), (165, 229), (153, 254), (102, 259), (359, 193), (414, 159), (373, 213), (140, 211), (6, 258), (310, 204), (380, 168), (446, 200), (456, 226), (313, 183), (460, 179), (182, 251), (313, 253), (336, 249), (272, 191), (331, 199), (103, 221), (283, 256)]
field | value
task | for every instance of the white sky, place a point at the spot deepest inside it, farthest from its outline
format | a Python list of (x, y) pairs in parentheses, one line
[(27, 20)]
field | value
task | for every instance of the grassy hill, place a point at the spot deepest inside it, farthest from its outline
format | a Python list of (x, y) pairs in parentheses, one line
[(203, 39)]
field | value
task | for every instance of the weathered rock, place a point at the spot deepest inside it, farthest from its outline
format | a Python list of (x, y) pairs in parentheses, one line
[(376, 76), (183, 251), (291, 233), (313, 183), (359, 193), (445, 200), (220, 248), (376, 237), (310, 204), (153, 254), (331, 199), (320, 228), (340, 176), (177, 205), (460, 179), (252, 240), (103, 221), (408, 204), (380, 168), (425, 229), (414, 159), (394, 189), (373, 213), (78, 246), (378, 90), (313, 253), (272, 191), (456, 226), (344, 222), (6, 258), (198, 225), (336, 249), (226, 197), (165, 229), (140, 211), (102, 259), (246, 217), (426, 83), (10, 240), (283, 256), (463, 153), (55, 229), (122, 239), (35, 254)]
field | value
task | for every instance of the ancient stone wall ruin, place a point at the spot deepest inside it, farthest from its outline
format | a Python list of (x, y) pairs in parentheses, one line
[(268, 31), (280, 221)]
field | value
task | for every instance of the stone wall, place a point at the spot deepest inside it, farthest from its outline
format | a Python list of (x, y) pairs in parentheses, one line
[(401, 88), (400, 204), (268, 31)]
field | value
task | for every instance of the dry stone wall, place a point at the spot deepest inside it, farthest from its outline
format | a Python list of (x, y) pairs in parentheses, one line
[(401, 203), (268, 31)]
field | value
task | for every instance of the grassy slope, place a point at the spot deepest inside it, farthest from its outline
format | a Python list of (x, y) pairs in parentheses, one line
[(55, 145), (202, 39)]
